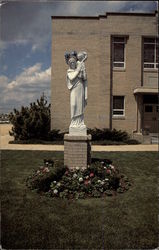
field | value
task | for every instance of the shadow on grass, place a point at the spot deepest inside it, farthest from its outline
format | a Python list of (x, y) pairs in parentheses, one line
[(126, 221)]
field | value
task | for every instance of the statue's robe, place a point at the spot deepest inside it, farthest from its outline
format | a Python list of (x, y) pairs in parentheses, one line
[(77, 96)]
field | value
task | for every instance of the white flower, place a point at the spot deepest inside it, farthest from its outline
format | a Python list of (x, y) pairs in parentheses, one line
[(80, 179), (54, 182), (102, 182), (74, 175), (87, 177), (105, 167), (77, 168), (99, 181), (47, 170), (106, 179), (55, 191), (111, 166), (58, 184), (38, 171)]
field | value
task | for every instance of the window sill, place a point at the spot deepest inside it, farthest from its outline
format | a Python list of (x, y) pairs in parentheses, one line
[(150, 70), (119, 69), (118, 117)]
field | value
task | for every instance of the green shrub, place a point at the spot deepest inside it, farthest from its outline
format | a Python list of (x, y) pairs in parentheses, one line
[(31, 122), (111, 137), (108, 134)]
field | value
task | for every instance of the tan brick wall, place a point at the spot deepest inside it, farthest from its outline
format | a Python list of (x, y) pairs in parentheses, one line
[(94, 36)]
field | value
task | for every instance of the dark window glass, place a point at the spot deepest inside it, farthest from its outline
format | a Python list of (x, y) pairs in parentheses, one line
[(157, 55), (157, 109), (148, 109), (149, 53), (118, 52), (149, 99), (146, 65), (119, 39), (118, 102), (118, 112), (149, 40)]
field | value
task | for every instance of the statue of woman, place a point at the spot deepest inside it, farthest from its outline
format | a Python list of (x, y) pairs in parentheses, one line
[(77, 84)]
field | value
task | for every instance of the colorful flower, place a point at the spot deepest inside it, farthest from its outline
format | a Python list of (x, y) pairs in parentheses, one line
[(91, 175), (86, 182), (80, 179), (75, 175), (55, 191), (108, 171), (111, 166), (106, 179)]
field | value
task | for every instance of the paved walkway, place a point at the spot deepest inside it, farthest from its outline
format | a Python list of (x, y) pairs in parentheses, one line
[(4, 144)]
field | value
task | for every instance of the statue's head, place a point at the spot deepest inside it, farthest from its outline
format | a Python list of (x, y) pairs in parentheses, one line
[(72, 62), (69, 55)]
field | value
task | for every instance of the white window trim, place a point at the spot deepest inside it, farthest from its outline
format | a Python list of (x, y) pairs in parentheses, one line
[(124, 42), (118, 115), (154, 63)]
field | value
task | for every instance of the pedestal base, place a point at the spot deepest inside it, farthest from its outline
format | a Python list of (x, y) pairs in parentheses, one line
[(77, 151), (78, 131)]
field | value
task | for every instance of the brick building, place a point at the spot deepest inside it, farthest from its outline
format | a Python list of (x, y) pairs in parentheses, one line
[(122, 70)]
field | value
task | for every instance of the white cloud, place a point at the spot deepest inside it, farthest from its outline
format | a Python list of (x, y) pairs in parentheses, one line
[(25, 87)]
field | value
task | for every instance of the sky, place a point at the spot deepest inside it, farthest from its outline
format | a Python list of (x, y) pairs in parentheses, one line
[(25, 43)]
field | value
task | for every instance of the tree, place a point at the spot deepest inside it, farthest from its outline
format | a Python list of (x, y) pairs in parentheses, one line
[(31, 122)]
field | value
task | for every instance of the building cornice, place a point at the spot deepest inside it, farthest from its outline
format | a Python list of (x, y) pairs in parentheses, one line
[(108, 14)]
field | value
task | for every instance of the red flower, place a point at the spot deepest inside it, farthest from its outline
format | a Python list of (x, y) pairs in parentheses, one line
[(91, 175), (108, 171), (86, 182)]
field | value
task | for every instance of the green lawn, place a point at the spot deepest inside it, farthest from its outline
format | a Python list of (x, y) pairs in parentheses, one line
[(126, 221)]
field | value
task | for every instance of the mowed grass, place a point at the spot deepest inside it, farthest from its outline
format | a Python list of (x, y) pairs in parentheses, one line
[(126, 221)]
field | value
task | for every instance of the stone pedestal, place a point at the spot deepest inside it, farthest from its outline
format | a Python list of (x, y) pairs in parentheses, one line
[(77, 151)]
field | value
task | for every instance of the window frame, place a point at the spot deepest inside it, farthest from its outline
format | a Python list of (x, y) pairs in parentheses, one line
[(155, 63), (119, 42), (118, 115)]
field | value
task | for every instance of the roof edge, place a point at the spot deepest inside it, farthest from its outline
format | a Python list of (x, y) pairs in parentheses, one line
[(108, 13)]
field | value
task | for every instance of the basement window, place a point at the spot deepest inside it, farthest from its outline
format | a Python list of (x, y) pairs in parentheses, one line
[(118, 106), (151, 53), (119, 52)]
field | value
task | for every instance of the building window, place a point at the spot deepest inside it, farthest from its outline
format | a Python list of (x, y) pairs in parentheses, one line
[(119, 52), (148, 108), (151, 53), (118, 106)]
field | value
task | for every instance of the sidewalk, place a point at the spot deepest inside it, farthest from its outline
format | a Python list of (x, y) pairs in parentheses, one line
[(4, 145)]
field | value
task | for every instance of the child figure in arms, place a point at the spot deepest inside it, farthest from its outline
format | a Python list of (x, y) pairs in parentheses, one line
[(82, 56)]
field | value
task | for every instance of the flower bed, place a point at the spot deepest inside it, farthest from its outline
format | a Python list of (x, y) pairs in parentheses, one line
[(100, 179)]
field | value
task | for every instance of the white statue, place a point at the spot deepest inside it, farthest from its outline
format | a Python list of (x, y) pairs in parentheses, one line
[(77, 84)]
